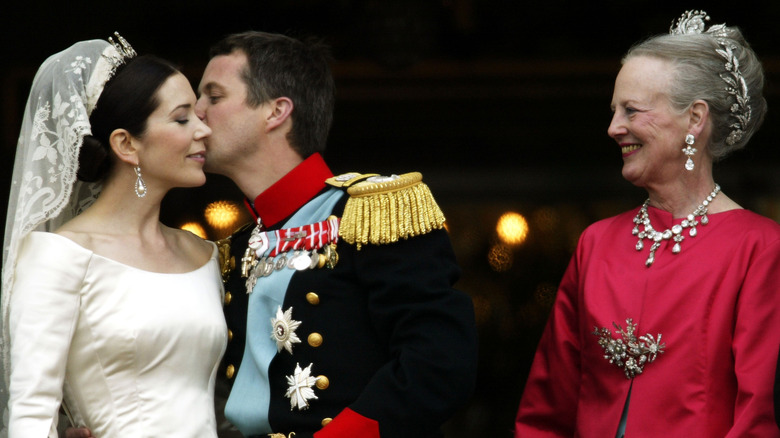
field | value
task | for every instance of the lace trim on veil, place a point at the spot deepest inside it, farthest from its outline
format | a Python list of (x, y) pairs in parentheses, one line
[(44, 191)]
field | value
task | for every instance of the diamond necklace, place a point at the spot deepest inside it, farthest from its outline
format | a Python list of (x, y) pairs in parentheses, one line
[(675, 233)]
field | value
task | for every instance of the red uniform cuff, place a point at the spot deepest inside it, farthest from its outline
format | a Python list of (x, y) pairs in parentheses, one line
[(349, 424)]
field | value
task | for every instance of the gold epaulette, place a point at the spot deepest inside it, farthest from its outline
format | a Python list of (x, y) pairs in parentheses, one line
[(227, 262), (383, 209)]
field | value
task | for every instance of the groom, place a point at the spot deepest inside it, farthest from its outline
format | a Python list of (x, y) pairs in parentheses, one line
[(373, 341), (339, 300)]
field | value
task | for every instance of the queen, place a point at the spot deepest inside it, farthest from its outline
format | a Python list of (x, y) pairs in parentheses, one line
[(666, 321)]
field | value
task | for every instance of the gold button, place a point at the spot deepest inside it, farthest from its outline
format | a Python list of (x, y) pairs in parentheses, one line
[(313, 298), (322, 382), (228, 298), (230, 371), (325, 421), (230, 335), (315, 339)]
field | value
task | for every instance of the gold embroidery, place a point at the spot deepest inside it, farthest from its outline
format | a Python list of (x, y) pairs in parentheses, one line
[(226, 262)]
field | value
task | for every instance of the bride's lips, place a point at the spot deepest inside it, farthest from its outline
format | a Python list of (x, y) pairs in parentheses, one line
[(198, 156)]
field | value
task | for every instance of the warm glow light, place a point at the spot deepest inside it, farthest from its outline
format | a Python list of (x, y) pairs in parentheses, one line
[(222, 215), (482, 309), (500, 258), (194, 228), (546, 219), (545, 294), (512, 228)]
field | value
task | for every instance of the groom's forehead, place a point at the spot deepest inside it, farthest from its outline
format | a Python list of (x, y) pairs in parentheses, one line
[(224, 68)]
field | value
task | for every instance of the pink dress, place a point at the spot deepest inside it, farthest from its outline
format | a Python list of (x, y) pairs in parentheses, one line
[(716, 305)]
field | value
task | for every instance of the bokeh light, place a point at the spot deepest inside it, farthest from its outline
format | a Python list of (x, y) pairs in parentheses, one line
[(500, 258), (195, 228), (512, 228), (482, 309), (223, 216), (546, 219), (544, 294)]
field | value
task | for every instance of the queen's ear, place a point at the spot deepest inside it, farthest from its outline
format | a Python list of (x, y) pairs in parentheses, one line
[(699, 114), (124, 146)]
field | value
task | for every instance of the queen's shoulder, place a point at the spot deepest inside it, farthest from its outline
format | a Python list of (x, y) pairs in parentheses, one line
[(743, 221), (622, 220)]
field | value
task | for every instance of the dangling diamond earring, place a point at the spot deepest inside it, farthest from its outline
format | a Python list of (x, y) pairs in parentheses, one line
[(140, 185), (689, 150)]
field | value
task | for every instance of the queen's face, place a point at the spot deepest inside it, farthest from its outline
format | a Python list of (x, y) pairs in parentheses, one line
[(173, 152), (648, 130)]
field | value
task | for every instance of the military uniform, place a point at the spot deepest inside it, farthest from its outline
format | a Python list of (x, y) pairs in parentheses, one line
[(369, 338)]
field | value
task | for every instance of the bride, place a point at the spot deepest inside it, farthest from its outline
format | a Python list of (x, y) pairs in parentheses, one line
[(105, 310)]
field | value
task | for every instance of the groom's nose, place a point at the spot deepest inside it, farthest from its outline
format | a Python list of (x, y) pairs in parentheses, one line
[(200, 108)]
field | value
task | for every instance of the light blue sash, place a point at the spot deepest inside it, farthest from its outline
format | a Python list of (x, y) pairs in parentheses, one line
[(248, 404)]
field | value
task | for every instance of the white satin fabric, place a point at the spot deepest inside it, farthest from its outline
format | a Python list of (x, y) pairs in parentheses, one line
[(135, 351)]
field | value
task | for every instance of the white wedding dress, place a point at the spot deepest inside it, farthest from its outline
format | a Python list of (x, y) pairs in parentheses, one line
[(136, 352)]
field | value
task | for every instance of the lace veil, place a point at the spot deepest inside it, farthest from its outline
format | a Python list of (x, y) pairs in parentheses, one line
[(44, 191)]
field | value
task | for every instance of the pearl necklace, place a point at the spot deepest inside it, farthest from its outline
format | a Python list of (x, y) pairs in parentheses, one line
[(675, 233)]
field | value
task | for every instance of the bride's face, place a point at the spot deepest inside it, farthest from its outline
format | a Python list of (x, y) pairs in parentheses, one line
[(172, 151)]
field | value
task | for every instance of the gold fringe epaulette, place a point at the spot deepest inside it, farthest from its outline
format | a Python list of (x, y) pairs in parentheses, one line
[(382, 210)]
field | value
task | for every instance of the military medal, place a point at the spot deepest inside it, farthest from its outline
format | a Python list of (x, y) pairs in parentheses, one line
[(315, 260), (300, 261), (283, 330), (280, 263), (247, 262), (267, 267), (299, 389), (300, 248)]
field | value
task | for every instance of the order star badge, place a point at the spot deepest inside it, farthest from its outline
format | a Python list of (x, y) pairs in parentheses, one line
[(283, 330), (300, 388)]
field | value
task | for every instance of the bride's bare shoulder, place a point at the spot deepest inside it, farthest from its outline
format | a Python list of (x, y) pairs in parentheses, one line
[(79, 232), (190, 242)]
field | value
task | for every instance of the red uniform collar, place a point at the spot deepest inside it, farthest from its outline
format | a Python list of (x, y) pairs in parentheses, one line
[(293, 190)]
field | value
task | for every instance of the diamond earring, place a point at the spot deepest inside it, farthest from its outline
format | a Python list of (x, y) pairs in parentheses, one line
[(689, 150), (140, 185)]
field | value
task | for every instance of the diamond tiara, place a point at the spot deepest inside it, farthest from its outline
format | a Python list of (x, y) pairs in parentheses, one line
[(118, 53), (693, 22), (124, 50)]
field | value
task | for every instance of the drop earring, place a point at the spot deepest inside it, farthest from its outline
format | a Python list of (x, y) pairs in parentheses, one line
[(140, 185), (689, 150)]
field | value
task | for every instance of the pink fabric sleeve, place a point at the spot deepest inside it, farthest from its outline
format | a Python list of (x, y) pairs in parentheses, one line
[(549, 403), (755, 346)]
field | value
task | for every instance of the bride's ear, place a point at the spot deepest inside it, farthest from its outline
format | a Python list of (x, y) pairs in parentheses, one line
[(124, 145)]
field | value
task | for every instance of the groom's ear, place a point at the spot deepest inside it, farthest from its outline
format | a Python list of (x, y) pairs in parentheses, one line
[(279, 112)]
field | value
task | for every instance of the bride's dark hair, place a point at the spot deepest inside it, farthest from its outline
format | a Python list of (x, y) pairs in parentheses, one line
[(125, 103)]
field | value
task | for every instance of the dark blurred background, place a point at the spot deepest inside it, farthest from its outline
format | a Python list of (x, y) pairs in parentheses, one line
[(503, 105)]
